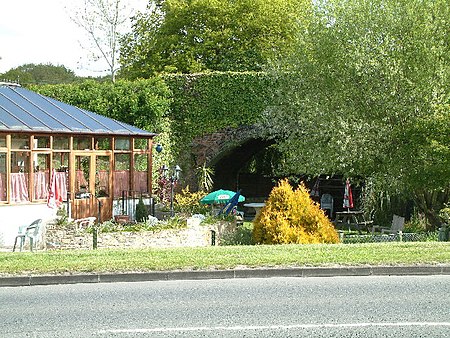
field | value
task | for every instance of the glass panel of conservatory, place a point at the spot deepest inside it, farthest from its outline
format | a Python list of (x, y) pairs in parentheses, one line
[(102, 143), (102, 176), (82, 171), (122, 144), (20, 164), (141, 143), (60, 143), (41, 176), (140, 173), (82, 143), (20, 142), (121, 174), (3, 184), (41, 142), (2, 141)]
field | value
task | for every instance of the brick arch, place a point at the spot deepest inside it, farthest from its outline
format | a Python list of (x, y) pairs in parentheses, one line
[(227, 151)]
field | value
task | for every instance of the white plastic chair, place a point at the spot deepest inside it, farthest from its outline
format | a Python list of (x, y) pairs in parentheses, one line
[(397, 225), (32, 231), (326, 203)]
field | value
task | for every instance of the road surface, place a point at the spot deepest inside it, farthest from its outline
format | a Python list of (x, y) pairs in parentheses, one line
[(416, 306)]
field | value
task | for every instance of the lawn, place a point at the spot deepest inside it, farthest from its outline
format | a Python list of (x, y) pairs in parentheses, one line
[(222, 257)]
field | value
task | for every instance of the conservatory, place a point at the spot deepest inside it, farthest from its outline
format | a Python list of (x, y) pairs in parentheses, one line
[(88, 162)]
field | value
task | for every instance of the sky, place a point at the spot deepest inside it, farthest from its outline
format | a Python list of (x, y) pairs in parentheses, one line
[(41, 31)]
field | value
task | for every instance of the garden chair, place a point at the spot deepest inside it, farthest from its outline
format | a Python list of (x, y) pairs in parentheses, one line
[(32, 231), (84, 223), (326, 203), (397, 225)]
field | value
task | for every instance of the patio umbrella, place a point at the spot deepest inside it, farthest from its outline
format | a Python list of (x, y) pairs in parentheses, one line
[(220, 197), (348, 197), (231, 203)]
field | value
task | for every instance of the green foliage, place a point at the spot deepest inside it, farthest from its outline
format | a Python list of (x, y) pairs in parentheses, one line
[(201, 35), (141, 211), (205, 178), (290, 216), (63, 221), (188, 202), (373, 77), (242, 235), (30, 74), (142, 103)]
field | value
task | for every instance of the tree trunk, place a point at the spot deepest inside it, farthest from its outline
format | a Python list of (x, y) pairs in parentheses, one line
[(430, 203)]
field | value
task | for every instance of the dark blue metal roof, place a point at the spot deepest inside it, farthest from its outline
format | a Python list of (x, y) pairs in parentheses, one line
[(22, 110)]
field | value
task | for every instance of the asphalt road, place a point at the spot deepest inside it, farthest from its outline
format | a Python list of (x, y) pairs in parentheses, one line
[(403, 306)]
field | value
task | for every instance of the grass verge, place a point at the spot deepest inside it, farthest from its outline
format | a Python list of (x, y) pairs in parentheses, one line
[(227, 257)]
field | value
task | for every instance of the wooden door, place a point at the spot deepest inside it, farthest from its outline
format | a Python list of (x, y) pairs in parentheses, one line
[(92, 186)]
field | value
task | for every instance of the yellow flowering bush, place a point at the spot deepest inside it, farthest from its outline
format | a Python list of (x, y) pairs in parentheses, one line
[(189, 202), (291, 216)]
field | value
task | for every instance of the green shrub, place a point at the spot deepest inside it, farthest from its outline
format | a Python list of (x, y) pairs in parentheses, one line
[(188, 202), (141, 211), (290, 216), (241, 236)]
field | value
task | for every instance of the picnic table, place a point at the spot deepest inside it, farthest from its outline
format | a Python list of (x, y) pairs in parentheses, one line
[(352, 220)]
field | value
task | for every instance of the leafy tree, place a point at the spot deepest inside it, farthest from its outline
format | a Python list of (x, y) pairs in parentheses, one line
[(103, 21), (366, 94), (193, 36), (39, 74)]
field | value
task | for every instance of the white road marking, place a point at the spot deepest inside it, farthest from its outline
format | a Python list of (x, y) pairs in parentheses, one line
[(278, 327)]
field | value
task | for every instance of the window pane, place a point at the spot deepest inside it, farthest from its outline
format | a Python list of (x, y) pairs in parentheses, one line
[(61, 161), (140, 174), (102, 143), (2, 141), (41, 176), (82, 172), (82, 143), (41, 142), (121, 173), (20, 142), (141, 143), (61, 166), (102, 176), (60, 143), (2, 176), (20, 164), (122, 144)]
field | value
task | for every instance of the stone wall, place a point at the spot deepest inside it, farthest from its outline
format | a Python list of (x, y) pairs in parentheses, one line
[(194, 235)]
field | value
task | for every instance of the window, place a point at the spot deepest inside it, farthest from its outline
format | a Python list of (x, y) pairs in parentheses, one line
[(20, 142), (60, 143), (141, 143), (102, 176), (41, 176), (41, 142), (102, 143), (121, 173), (140, 173), (3, 184), (2, 141), (20, 164), (122, 144), (82, 143)]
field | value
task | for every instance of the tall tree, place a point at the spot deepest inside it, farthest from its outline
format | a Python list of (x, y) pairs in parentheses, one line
[(39, 74), (367, 93), (192, 36), (104, 22)]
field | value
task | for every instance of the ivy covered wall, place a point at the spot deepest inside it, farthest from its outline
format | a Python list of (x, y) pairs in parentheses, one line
[(179, 107)]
